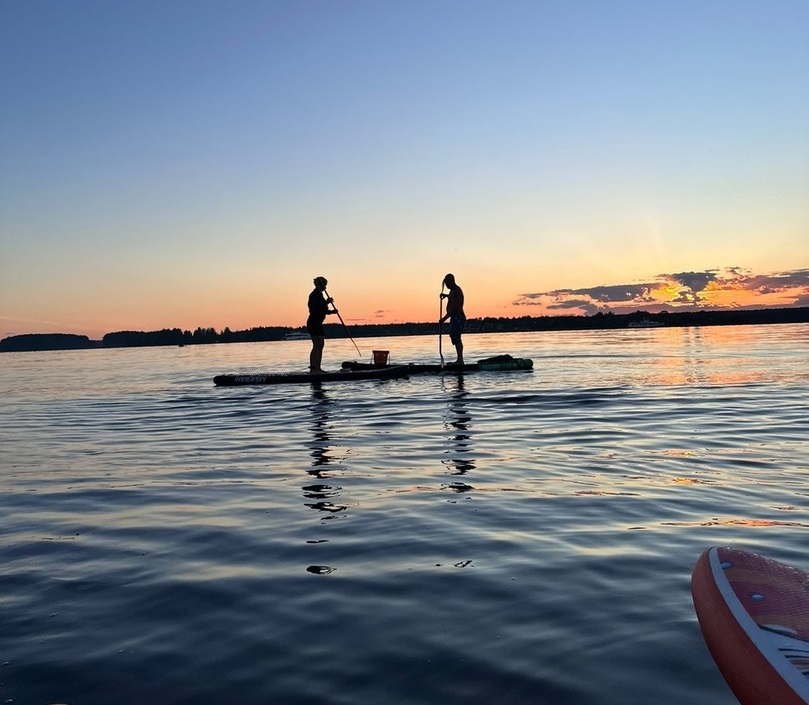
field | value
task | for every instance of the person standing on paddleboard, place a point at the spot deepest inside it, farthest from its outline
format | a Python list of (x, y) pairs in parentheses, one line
[(455, 314), (318, 310)]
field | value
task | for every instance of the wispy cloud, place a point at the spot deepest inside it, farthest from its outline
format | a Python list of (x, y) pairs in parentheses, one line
[(727, 287)]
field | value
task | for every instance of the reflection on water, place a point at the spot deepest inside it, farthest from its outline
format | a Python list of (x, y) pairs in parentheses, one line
[(698, 356), (458, 420), (694, 367), (322, 494), (320, 408), (146, 513), (319, 495)]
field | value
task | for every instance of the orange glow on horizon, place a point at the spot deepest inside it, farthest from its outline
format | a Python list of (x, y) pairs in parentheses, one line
[(257, 302)]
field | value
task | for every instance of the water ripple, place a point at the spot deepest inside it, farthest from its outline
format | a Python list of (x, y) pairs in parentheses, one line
[(432, 540)]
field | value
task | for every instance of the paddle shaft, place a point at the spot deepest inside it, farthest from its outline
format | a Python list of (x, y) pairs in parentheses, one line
[(441, 323), (345, 327)]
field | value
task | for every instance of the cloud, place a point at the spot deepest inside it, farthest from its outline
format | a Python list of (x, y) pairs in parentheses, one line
[(605, 295), (780, 281), (695, 281), (587, 306), (720, 288), (621, 292)]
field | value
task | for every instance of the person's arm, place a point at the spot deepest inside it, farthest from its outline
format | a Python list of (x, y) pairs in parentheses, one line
[(445, 316)]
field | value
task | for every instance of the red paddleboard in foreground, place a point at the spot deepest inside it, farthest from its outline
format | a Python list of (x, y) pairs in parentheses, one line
[(754, 615)]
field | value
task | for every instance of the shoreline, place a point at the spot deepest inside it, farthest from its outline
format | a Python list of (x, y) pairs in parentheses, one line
[(40, 342)]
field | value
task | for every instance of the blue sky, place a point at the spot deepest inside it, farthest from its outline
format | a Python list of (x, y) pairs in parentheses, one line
[(196, 163)]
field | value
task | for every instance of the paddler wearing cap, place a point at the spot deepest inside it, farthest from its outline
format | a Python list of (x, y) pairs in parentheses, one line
[(318, 310)]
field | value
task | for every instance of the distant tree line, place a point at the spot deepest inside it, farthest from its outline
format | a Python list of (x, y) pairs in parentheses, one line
[(45, 341), (201, 336), (599, 321)]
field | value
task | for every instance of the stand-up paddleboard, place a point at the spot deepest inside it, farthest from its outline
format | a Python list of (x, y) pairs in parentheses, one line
[(500, 363), (309, 377), (754, 616)]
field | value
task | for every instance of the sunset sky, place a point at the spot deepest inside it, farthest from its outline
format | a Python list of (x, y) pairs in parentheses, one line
[(190, 163)]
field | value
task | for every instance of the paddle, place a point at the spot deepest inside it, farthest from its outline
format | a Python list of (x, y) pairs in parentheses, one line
[(345, 327), (440, 323)]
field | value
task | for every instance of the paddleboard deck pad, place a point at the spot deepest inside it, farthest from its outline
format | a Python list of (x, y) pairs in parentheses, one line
[(492, 364), (754, 615), (309, 377)]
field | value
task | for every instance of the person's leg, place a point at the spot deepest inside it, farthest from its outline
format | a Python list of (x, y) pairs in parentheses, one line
[(316, 356), (455, 330)]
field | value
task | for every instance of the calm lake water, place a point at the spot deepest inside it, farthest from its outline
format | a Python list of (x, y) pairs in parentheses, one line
[(498, 537)]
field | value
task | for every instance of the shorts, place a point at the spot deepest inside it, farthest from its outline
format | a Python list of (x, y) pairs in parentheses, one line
[(456, 326), (315, 327)]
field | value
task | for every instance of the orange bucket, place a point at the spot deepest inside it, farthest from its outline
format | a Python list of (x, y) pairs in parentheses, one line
[(380, 357)]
